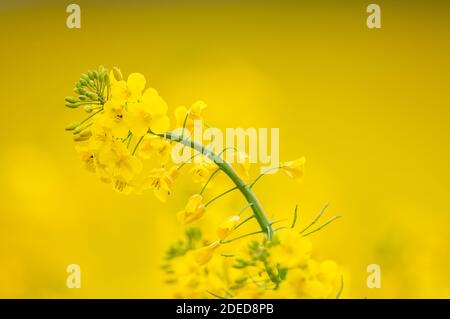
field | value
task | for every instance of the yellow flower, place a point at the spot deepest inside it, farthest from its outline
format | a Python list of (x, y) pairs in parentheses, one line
[(87, 157), (194, 210), (242, 165), (129, 91), (161, 180), (123, 187), (293, 249), (200, 172), (203, 255), (101, 136), (148, 113), (296, 168), (115, 119), (154, 146), (188, 116), (227, 227), (119, 162)]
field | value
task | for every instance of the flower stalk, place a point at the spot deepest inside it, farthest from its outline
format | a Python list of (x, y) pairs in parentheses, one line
[(225, 167)]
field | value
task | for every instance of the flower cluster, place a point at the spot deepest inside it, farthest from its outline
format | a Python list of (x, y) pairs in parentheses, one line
[(126, 139), (281, 268)]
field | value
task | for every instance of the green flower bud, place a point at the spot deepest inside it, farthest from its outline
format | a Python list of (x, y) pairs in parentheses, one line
[(82, 97), (71, 105), (92, 96), (71, 99), (79, 138), (88, 108), (84, 77), (117, 74), (86, 133), (72, 126)]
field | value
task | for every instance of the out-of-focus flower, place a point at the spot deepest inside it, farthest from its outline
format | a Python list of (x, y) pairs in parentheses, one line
[(242, 165), (227, 227), (160, 181), (186, 117), (203, 255), (154, 146), (193, 211), (119, 162), (296, 168), (200, 172)]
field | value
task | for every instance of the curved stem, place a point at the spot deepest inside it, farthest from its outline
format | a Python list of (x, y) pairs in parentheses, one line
[(231, 173)]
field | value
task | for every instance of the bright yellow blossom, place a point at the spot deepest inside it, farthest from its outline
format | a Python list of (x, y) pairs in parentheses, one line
[(154, 146), (129, 91), (203, 255), (160, 181), (200, 172), (115, 118), (186, 117), (119, 162), (296, 168), (193, 211), (148, 113), (227, 227), (242, 165), (101, 136), (87, 156)]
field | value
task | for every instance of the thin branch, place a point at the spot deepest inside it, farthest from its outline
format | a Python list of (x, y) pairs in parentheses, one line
[(316, 218), (295, 217), (323, 225)]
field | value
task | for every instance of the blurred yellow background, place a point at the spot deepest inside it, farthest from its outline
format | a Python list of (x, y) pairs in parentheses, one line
[(368, 108)]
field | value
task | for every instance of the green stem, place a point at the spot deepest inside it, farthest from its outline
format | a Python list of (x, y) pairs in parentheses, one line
[(137, 144), (220, 195), (263, 174), (245, 190)]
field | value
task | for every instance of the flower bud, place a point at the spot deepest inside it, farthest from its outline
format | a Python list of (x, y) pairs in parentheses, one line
[(227, 227), (72, 126), (117, 74), (88, 108), (79, 138), (71, 99), (203, 255), (71, 105)]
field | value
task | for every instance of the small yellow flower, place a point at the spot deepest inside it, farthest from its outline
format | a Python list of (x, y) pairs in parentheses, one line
[(87, 156), (119, 162), (296, 168), (242, 165), (154, 146), (161, 180), (115, 118), (194, 210), (203, 255), (187, 116), (101, 136), (148, 113), (227, 227), (200, 172), (129, 91), (293, 250)]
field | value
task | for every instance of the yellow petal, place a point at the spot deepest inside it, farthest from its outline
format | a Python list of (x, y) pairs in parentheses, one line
[(136, 82), (157, 105), (160, 124)]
